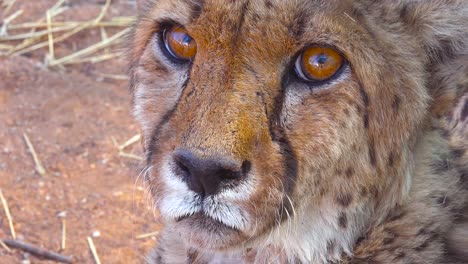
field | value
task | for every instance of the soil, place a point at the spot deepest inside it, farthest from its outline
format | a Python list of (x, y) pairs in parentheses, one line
[(73, 118)]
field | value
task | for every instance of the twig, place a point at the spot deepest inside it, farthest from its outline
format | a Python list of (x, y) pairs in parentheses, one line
[(25, 48), (114, 142), (8, 215), (130, 156), (8, 20), (104, 37), (93, 250), (142, 236), (50, 36), (36, 34), (56, 6), (64, 234), (103, 12), (113, 76), (130, 142), (43, 253), (5, 246), (90, 49), (114, 22), (9, 6), (5, 46), (30, 41), (39, 168), (96, 59), (347, 15)]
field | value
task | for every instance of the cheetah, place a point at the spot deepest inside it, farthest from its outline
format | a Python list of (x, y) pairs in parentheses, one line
[(304, 131)]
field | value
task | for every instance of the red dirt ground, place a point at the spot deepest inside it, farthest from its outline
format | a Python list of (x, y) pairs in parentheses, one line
[(71, 117)]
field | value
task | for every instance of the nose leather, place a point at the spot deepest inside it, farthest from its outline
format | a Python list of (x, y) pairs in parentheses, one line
[(207, 176)]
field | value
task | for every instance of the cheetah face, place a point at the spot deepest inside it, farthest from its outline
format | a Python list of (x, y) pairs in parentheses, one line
[(272, 118)]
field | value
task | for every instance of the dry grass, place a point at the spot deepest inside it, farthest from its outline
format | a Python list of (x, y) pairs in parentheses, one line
[(8, 215), (38, 164), (93, 250), (46, 33)]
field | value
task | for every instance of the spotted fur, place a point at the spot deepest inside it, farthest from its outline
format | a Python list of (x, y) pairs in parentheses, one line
[(370, 167)]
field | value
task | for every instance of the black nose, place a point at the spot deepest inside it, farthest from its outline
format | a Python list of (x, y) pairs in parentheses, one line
[(207, 176)]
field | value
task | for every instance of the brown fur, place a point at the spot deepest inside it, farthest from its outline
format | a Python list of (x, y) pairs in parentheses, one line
[(370, 168)]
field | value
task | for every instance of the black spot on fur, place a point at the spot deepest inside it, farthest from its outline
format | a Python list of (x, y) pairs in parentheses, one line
[(400, 256), (349, 172), (363, 192), (441, 165), (391, 159), (268, 4), (375, 191), (444, 132), (404, 12), (343, 220), (252, 70), (366, 119), (458, 152), (356, 14), (422, 246), (358, 109), (464, 112), (396, 214), (424, 230), (372, 158), (330, 246), (396, 103), (463, 176), (360, 239), (390, 238), (346, 112), (442, 201), (338, 172), (364, 96), (344, 199), (192, 256), (255, 18)]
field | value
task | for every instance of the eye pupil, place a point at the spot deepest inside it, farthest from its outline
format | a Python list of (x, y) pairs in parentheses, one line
[(319, 60), (187, 40)]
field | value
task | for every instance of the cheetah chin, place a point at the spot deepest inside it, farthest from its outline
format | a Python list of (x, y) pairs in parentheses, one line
[(304, 131)]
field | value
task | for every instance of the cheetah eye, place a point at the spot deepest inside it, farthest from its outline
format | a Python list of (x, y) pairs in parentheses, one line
[(179, 44), (318, 64)]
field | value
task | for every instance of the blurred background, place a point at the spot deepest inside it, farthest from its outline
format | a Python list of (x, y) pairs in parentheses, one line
[(69, 149)]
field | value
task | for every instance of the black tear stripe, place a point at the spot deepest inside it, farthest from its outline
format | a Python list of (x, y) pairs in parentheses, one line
[(154, 139), (290, 164)]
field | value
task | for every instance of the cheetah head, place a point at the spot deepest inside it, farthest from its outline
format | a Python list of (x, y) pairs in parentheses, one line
[(288, 123)]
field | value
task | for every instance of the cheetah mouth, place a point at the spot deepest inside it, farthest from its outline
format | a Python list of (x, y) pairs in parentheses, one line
[(201, 231), (203, 221)]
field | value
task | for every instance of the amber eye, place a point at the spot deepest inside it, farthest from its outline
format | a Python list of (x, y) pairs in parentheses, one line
[(179, 43), (318, 63)]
